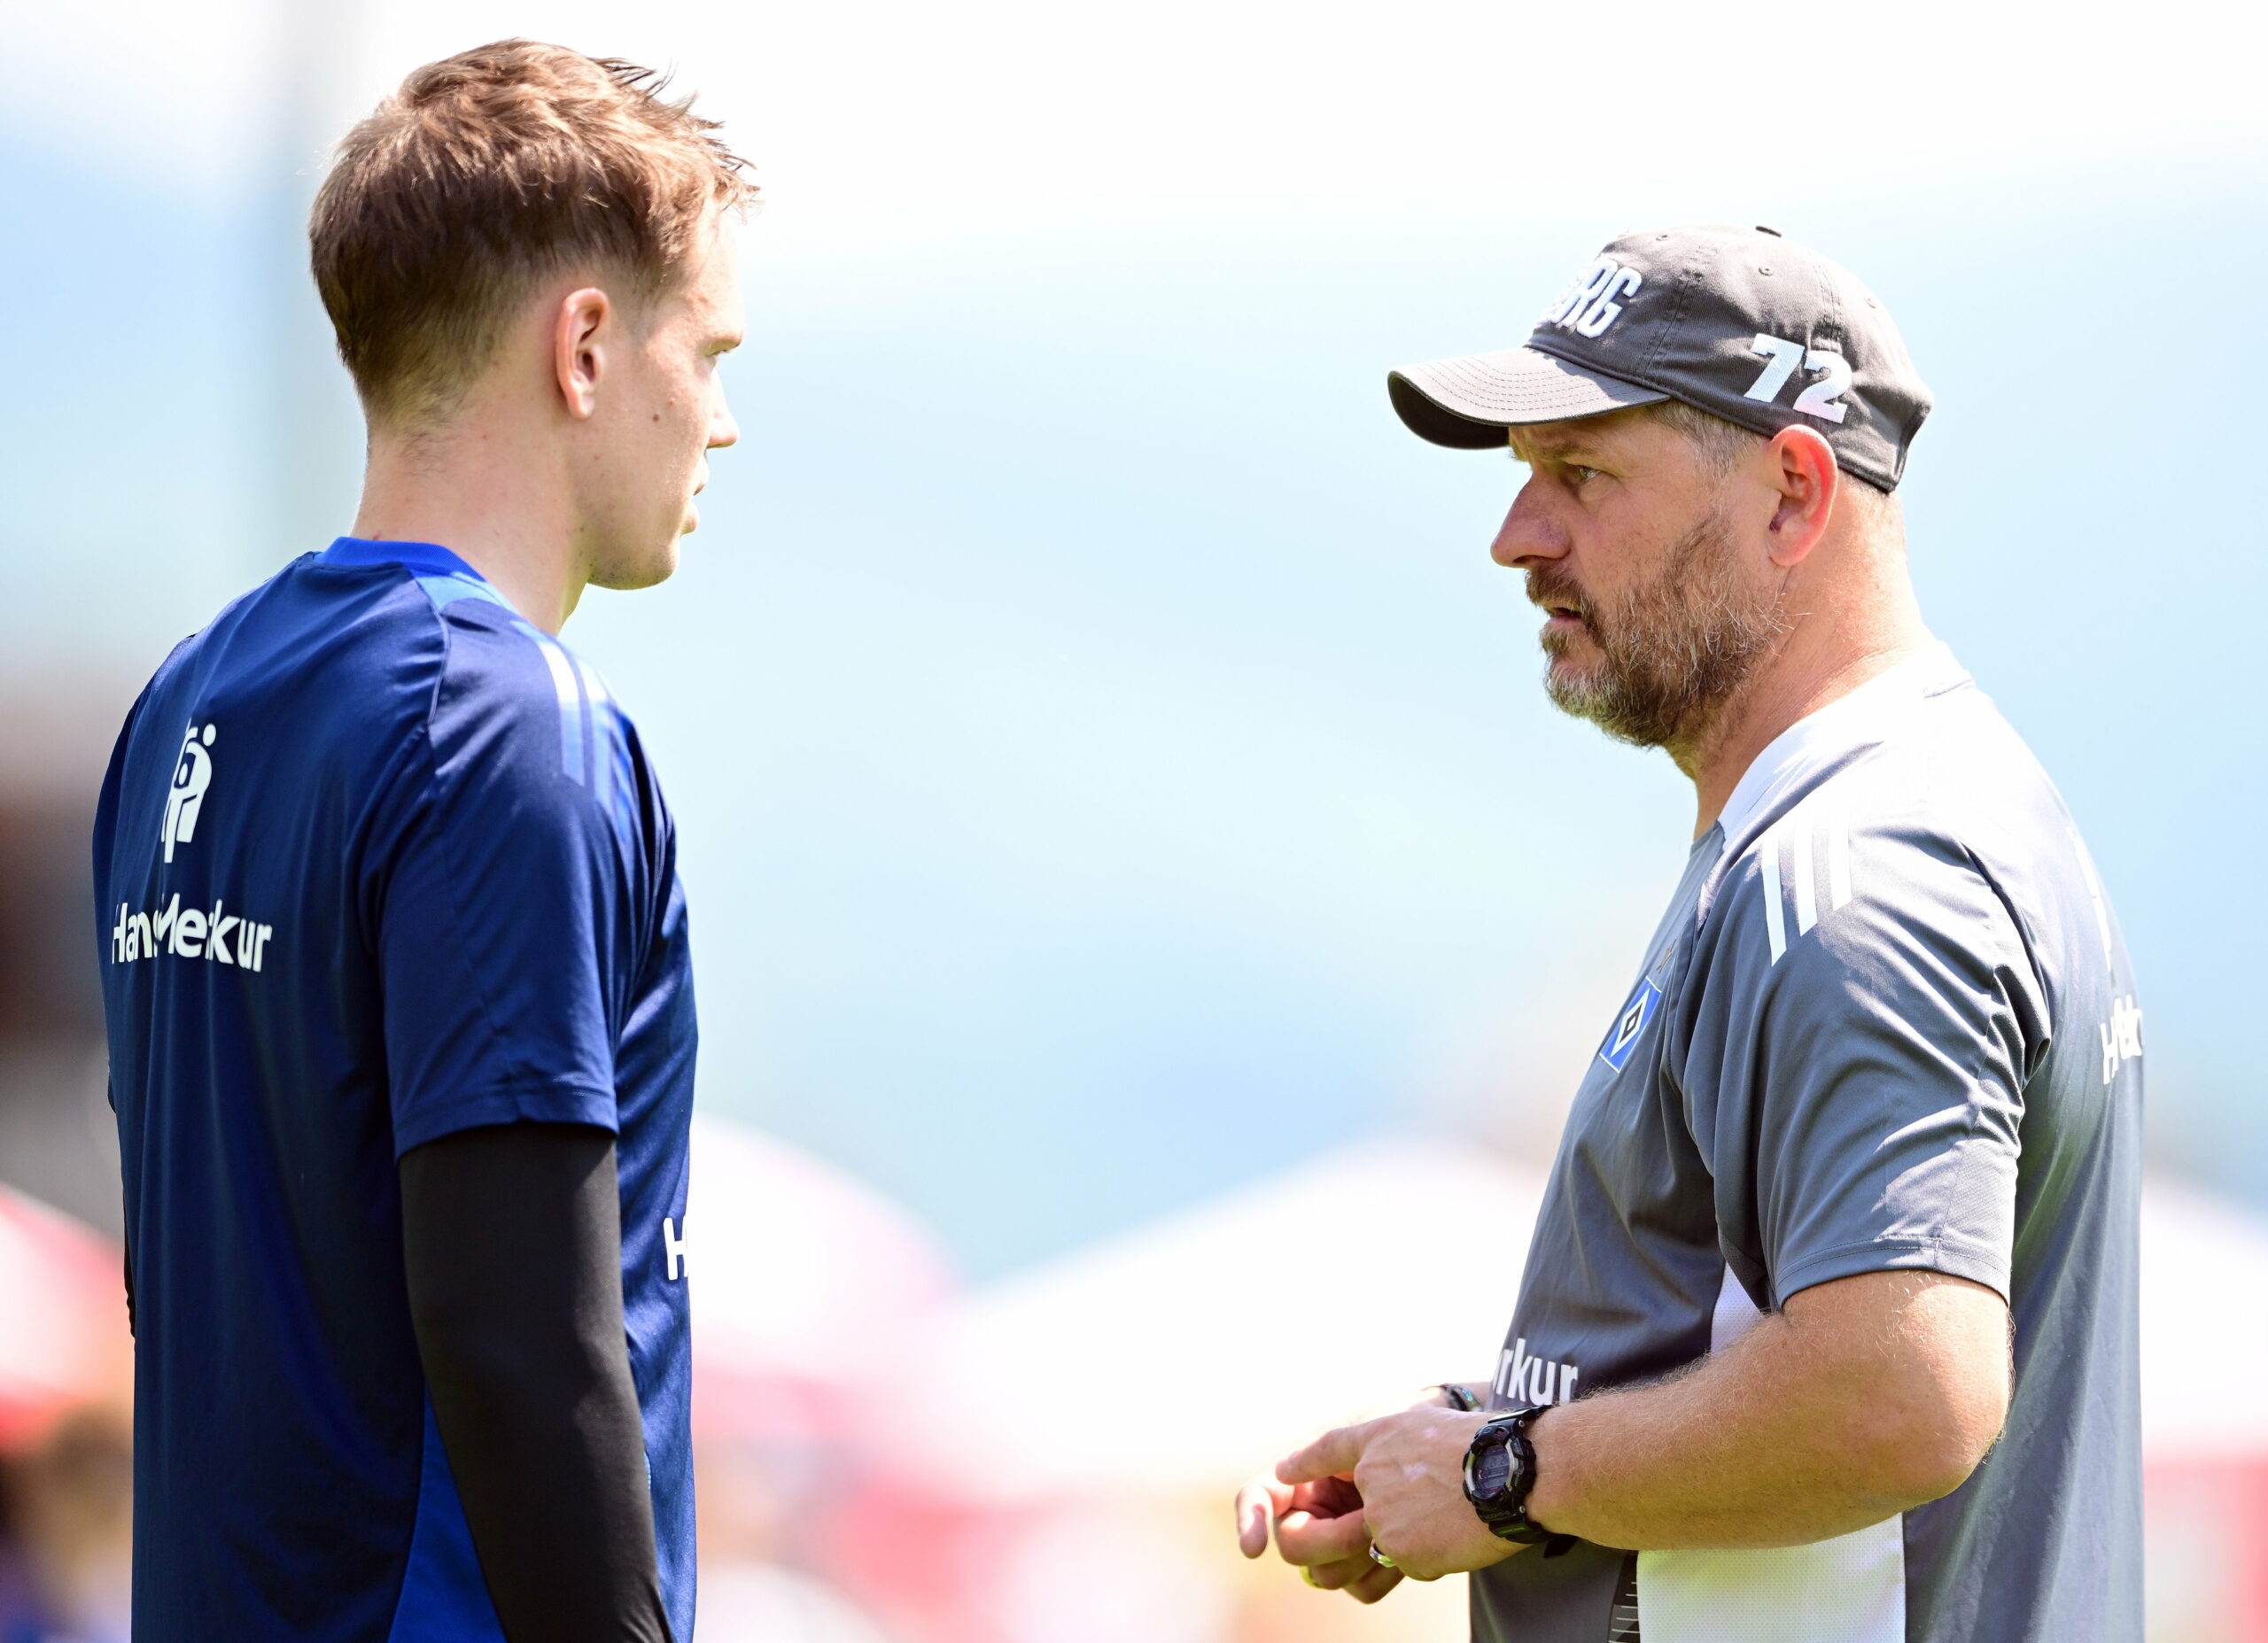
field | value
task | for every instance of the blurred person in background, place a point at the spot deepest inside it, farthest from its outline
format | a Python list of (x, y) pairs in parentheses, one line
[(66, 1531), (394, 966), (1829, 1325)]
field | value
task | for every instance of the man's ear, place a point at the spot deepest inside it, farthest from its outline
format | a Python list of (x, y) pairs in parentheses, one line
[(1803, 471), (578, 353)]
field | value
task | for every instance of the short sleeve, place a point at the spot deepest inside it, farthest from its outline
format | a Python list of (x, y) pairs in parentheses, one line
[(1866, 1023), (499, 902)]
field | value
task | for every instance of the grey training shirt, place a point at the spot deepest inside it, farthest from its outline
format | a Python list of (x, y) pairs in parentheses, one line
[(1887, 1022)]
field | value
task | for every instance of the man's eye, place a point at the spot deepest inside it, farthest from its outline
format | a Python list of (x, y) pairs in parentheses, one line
[(1582, 475)]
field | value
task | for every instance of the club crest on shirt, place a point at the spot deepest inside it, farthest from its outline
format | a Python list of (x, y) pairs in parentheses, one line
[(1630, 1026)]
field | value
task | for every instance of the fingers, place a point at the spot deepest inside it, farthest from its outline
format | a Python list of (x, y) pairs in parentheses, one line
[(1332, 1454), (1318, 1516), (1329, 1497), (1263, 1501), (1302, 1537), (1339, 1573), (1259, 1503), (1357, 1577), (1373, 1585)]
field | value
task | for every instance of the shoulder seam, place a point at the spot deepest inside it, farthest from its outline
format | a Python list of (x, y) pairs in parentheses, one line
[(449, 861), (431, 778)]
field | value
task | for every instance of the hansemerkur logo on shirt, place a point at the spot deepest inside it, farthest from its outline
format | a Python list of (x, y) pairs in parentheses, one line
[(214, 936), (1524, 1377)]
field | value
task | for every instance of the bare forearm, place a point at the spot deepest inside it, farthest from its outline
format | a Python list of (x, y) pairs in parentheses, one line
[(1792, 1435), (1694, 1463)]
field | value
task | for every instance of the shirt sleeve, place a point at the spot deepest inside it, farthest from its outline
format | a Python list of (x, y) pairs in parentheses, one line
[(1859, 1053), (499, 902)]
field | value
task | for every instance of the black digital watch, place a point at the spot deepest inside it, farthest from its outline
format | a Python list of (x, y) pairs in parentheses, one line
[(1499, 1472)]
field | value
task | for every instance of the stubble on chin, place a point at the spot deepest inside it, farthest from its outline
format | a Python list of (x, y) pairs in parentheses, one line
[(1671, 654), (629, 569)]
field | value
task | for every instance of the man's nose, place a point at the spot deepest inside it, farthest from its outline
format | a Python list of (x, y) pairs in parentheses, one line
[(723, 431), (1529, 535)]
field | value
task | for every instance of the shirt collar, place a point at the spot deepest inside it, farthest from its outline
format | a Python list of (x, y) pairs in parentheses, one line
[(420, 559), (1852, 721)]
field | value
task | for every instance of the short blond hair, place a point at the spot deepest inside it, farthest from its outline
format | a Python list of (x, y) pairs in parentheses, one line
[(484, 174)]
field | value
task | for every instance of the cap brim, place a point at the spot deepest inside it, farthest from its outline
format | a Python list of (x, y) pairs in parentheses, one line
[(1470, 402)]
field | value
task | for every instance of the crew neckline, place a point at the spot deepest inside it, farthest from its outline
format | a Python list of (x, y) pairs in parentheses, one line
[(1850, 721), (445, 576), (417, 558)]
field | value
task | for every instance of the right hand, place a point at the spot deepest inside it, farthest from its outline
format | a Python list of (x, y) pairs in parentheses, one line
[(1319, 1527), (1319, 1530)]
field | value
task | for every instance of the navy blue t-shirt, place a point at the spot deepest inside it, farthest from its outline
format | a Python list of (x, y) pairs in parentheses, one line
[(376, 860)]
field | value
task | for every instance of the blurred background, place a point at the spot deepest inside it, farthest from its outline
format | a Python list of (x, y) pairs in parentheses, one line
[(1148, 921)]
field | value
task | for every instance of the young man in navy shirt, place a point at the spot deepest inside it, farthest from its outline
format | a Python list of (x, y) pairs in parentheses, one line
[(393, 953)]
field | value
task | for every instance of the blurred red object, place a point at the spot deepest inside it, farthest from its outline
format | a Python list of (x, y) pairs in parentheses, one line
[(64, 1342), (2206, 1527)]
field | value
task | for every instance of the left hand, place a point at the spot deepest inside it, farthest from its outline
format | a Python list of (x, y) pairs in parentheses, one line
[(1409, 1471), (1318, 1532)]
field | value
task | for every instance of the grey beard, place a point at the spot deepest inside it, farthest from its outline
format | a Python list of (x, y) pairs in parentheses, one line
[(1676, 651)]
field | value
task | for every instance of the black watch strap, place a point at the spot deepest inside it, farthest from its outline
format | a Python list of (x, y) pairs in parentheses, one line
[(1500, 1473)]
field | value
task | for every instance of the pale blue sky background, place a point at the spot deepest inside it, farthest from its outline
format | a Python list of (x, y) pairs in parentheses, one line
[(1108, 766)]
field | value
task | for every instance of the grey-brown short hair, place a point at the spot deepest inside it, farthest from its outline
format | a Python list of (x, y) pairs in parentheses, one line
[(1722, 445)]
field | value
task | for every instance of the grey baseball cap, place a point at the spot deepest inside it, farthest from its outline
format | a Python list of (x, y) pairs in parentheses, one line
[(1741, 322)]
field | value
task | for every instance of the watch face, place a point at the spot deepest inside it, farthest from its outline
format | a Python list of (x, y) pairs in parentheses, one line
[(1492, 1470)]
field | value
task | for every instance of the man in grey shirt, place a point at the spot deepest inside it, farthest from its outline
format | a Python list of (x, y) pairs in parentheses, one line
[(1828, 1331)]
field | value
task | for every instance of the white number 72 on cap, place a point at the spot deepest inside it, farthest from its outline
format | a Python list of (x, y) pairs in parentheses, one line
[(1823, 397)]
